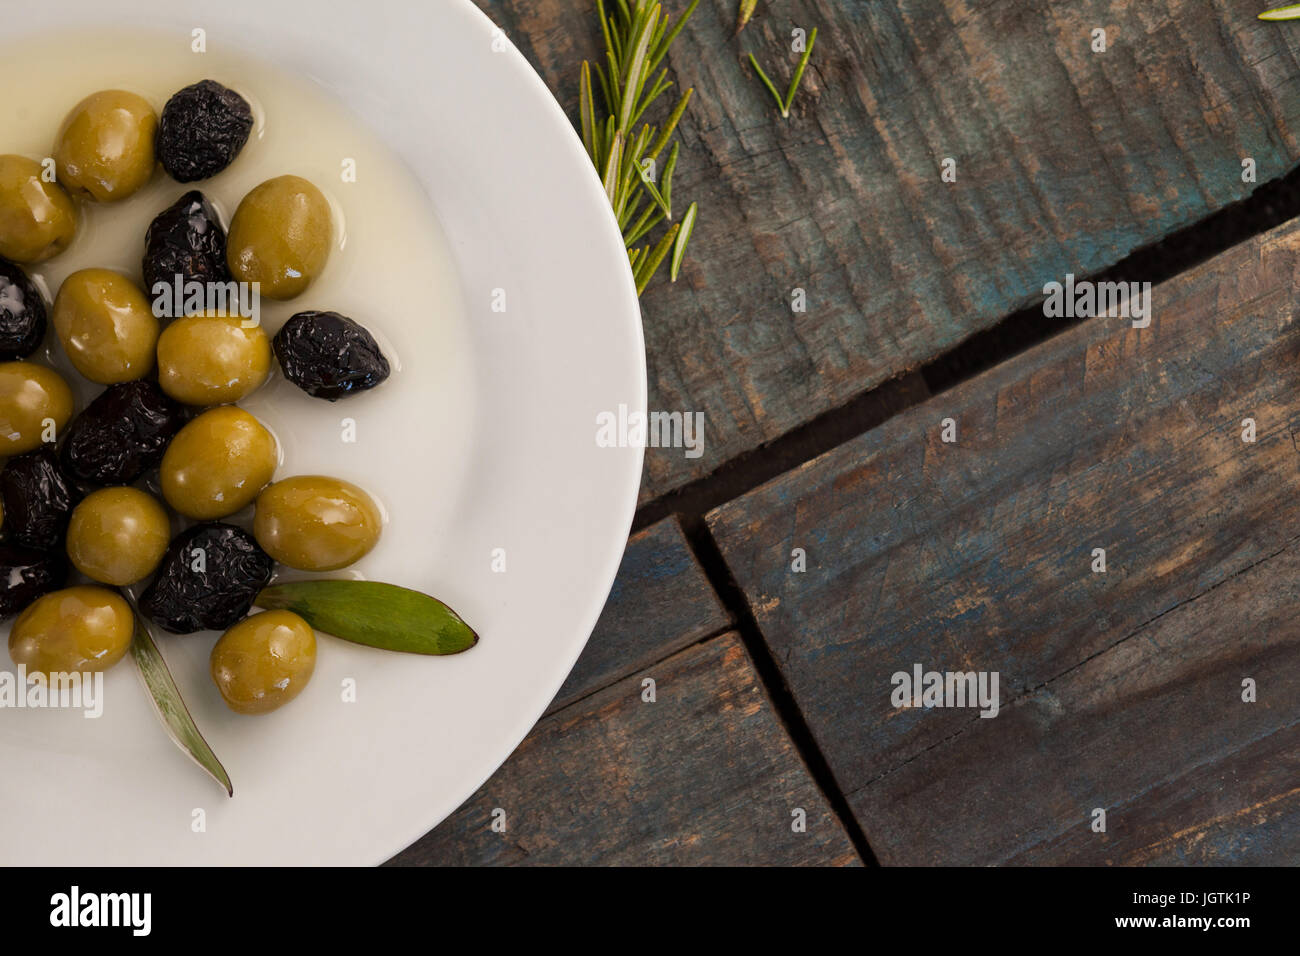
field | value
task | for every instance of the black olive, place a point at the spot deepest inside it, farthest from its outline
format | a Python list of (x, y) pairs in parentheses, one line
[(38, 499), (22, 313), (207, 579), (121, 434), (26, 574), (327, 355), (201, 131), (185, 239)]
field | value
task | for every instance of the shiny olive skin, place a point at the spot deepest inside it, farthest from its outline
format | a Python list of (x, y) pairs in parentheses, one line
[(26, 574), (30, 396), (188, 595), (218, 463), (106, 325), (23, 313), (280, 236), (38, 499), (212, 359), (104, 150), (264, 661), (121, 434), (314, 523), (78, 629), (37, 219), (118, 535)]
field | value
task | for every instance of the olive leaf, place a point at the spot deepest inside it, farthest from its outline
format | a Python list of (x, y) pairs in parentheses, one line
[(378, 615), (170, 706)]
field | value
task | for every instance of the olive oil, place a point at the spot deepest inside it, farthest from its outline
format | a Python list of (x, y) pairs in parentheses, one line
[(389, 265)]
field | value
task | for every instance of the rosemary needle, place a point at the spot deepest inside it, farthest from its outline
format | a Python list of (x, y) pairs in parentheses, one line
[(667, 179), (746, 11), (798, 71), (650, 265), (768, 83), (1290, 12), (683, 237)]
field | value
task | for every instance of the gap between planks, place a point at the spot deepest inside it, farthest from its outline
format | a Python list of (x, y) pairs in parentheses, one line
[(1270, 205), (787, 711)]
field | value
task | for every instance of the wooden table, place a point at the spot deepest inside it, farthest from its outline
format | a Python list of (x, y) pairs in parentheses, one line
[(731, 708)]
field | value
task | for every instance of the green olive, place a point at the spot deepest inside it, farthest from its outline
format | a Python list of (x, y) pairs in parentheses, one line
[(218, 463), (314, 523), (104, 150), (78, 629), (264, 661), (280, 236), (37, 219), (118, 535), (35, 402), (212, 359), (106, 325)]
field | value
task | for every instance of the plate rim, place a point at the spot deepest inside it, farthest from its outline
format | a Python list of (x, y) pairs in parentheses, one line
[(613, 235)]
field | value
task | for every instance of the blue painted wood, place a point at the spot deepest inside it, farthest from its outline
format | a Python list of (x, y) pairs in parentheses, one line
[(1067, 160), (978, 556), (1153, 731)]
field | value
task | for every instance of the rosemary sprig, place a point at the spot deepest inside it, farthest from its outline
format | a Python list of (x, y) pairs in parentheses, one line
[(1289, 12), (795, 80), (637, 35)]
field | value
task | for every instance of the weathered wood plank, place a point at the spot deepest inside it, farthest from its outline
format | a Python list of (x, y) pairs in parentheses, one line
[(661, 602), (1154, 731), (703, 775), (978, 555), (1066, 161)]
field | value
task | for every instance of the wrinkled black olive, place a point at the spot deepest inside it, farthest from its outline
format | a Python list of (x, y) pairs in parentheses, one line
[(121, 434), (207, 579), (22, 313), (327, 355), (38, 499), (185, 239), (26, 574), (201, 131)]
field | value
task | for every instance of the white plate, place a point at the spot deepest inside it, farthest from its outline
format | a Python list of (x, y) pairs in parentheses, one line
[(511, 464)]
